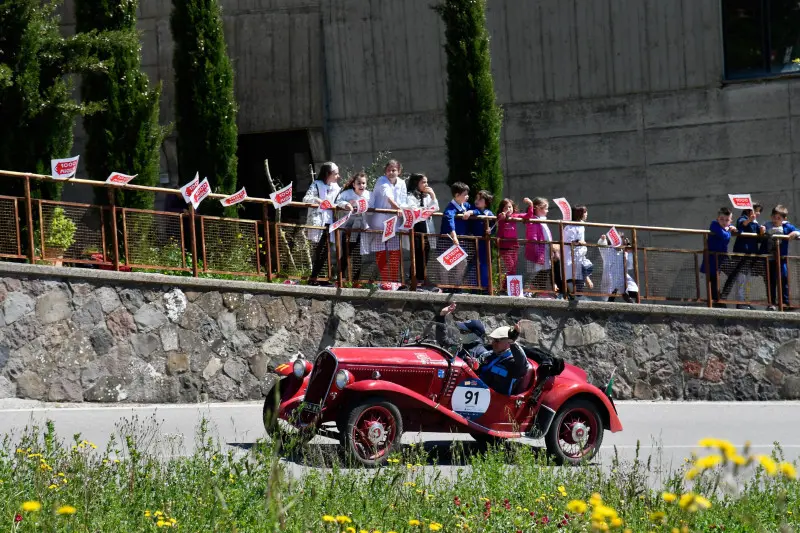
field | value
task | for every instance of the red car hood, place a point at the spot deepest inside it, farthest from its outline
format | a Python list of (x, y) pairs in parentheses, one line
[(405, 356)]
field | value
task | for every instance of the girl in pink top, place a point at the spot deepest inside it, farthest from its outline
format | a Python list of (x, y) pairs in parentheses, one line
[(507, 219)]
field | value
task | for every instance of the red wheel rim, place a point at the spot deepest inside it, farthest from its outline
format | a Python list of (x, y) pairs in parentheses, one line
[(374, 432), (577, 433)]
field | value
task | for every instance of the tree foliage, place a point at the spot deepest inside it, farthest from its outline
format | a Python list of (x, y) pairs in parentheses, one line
[(125, 135), (36, 110), (473, 116), (205, 107)]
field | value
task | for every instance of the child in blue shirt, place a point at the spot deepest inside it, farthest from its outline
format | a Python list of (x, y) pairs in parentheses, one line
[(745, 267), (721, 230), (778, 225), (478, 228), (452, 227)]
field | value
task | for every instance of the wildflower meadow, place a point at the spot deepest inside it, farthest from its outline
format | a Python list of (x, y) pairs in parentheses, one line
[(51, 486)]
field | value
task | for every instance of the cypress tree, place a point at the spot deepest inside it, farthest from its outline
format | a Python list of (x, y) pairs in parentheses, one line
[(125, 135), (205, 111), (36, 110), (473, 116)]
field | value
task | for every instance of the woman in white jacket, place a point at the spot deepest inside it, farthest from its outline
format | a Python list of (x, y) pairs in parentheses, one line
[(325, 187), (421, 196), (354, 190), (390, 193)]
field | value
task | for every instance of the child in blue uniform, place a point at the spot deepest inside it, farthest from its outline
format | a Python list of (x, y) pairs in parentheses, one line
[(721, 230), (478, 228), (778, 225)]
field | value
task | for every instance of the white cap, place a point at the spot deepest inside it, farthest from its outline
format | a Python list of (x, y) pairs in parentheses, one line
[(502, 333)]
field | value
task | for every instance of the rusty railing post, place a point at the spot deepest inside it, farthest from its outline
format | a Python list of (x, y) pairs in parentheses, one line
[(29, 212), (338, 239), (488, 237), (635, 243), (266, 246), (113, 203), (412, 248), (561, 264), (707, 263), (778, 275), (193, 231)]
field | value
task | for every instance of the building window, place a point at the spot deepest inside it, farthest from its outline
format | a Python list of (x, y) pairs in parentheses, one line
[(761, 37)]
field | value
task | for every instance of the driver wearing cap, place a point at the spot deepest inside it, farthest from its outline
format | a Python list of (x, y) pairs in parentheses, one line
[(506, 364)]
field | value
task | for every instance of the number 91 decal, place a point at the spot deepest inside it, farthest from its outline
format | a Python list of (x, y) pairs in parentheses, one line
[(471, 399)]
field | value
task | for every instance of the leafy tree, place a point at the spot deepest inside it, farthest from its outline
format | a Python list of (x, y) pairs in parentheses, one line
[(36, 110), (125, 136), (473, 116), (205, 107)]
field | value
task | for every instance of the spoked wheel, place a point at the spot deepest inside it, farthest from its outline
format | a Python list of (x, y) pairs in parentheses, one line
[(373, 431), (576, 433)]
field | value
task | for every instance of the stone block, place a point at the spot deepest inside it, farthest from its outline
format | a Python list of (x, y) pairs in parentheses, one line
[(232, 300), (585, 335), (211, 303), (108, 298), (16, 306), (8, 389), (259, 365), (132, 299), (790, 391), (102, 340), (642, 391), (169, 338), (222, 388), (693, 369), (787, 357), (774, 375), (214, 365), (144, 344), (107, 389), (31, 386), (227, 324), (177, 363), (715, 370), (89, 314), (121, 323), (235, 369), (175, 303), (65, 391), (149, 317), (251, 316)]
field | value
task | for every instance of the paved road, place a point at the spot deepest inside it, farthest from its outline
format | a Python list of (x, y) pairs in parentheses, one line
[(668, 430)]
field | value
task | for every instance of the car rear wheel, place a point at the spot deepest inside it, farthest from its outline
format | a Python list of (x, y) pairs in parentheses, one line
[(576, 432), (372, 431)]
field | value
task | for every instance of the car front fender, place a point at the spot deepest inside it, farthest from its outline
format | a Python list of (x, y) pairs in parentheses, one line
[(388, 388), (564, 389)]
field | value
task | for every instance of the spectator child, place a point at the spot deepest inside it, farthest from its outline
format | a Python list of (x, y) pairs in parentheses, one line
[(778, 225), (325, 187), (479, 229), (721, 230), (390, 193), (578, 267), (507, 219), (616, 264), (421, 196), (543, 253), (354, 190), (746, 267), (452, 227)]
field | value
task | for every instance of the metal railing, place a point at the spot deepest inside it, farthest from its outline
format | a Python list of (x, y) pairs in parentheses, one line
[(123, 239)]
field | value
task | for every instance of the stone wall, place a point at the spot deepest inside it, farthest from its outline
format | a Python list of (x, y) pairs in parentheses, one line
[(73, 335)]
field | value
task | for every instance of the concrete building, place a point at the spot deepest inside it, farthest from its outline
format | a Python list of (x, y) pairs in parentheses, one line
[(620, 104)]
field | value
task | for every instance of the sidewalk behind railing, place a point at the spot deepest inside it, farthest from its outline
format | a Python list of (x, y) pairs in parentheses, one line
[(185, 243)]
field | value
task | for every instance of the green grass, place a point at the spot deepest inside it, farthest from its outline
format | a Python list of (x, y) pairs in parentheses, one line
[(509, 489)]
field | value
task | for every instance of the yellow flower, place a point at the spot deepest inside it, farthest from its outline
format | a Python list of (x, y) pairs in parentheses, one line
[(768, 464), (350, 530), (668, 497), (393, 461), (66, 509), (796, 60), (788, 470), (343, 519), (692, 473), (147, 514), (675, 530), (595, 500), (603, 513), (562, 490), (576, 507), (708, 462), (657, 517), (616, 522), (328, 518), (31, 506), (158, 514), (435, 526), (414, 522), (686, 500), (52, 487), (599, 526), (702, 502), (738, 460), (410, 484)]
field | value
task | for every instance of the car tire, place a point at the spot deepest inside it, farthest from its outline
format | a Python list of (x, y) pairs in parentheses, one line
[(282, 432), (372, 431), (576, 419)]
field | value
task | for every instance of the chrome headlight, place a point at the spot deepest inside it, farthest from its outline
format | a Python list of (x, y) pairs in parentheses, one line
[(342, 379), (299, 368)]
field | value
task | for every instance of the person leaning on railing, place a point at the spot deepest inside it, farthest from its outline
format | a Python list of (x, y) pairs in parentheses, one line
[(746, 267), (778, 225), (421, 196), (354, 190), (453, 227), (720, 232), (390, 193)]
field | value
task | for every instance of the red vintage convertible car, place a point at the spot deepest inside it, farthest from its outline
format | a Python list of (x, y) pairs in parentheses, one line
[(374, 394)]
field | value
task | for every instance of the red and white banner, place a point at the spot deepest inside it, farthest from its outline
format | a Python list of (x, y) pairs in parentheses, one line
[(200, 193), (741, 201), (428, 213), (325, 205), (120, 179), (410, 217), (234, 199), (63, 169), (514, 285), (453, 256), (188, 189), (339, 223), (362, 204), (282, 197), (566, 209), (389, 229), (614, 238)]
